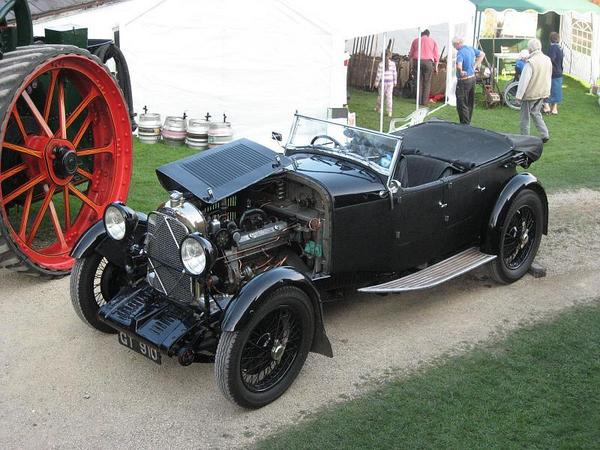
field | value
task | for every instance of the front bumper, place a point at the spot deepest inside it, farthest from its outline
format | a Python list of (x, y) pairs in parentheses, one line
[(150, 317)]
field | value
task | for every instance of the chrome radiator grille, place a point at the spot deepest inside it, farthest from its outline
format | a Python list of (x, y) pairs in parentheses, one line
[(165, 271)]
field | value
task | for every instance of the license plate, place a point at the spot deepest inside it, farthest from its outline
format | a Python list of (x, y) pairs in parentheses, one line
[(148, 351)]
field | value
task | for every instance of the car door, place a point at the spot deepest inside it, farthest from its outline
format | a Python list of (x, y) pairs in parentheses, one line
[(471, 197), (418, 227), (463, 213)]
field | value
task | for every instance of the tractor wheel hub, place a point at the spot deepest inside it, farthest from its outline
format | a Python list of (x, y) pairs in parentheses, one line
[(65, 161)]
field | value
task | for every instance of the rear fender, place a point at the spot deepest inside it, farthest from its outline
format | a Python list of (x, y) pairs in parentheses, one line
[(257, 291), (96, 240), (515, 185)]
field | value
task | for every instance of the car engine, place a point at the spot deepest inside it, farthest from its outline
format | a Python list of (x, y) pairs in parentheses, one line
[(276, 222)]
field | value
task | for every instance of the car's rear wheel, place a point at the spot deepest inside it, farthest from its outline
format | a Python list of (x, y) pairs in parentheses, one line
[(520, 238), (94, 281), (256, 365)]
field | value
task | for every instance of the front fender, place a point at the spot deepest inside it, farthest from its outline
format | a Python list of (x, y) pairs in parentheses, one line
[(95, 239), (256, 292), (516, 184)]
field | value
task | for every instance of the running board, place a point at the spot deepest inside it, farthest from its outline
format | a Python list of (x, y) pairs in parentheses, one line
[(439, 273)]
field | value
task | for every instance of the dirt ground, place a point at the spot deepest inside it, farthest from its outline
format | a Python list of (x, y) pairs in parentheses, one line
[(63, 385)]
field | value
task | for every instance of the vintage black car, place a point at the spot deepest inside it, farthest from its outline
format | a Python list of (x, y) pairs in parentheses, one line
[(235, 265)]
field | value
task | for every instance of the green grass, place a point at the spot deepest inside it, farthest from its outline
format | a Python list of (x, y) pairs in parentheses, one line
[(146, 193), (539, 388), (570, 160)]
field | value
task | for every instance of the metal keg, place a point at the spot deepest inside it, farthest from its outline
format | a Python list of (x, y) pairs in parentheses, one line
[(173, 131), (149, 127), (197, 134), (219, 133)]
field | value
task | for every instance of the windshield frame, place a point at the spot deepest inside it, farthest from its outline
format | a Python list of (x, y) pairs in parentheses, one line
[(388, 174)]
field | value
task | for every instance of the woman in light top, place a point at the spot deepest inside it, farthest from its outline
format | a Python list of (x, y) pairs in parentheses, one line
[(390, 79)]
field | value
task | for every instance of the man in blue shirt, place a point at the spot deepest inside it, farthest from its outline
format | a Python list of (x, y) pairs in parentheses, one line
[(467, 60)]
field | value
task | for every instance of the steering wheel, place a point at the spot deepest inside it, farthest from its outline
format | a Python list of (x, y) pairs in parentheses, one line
[(329, 138)]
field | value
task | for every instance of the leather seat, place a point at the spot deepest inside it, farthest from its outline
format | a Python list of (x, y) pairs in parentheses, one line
[(415, 170)]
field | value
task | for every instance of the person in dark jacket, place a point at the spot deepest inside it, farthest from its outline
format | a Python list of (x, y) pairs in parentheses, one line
[(555, 54)]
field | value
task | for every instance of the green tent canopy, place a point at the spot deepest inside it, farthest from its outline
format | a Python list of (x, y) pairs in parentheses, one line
[(541, 6)]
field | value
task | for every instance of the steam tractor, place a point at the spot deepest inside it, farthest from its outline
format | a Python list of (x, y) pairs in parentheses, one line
[(65, 136)]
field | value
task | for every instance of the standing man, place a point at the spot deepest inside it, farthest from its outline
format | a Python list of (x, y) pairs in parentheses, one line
[(429, 63), (467, 60), (534, 87)]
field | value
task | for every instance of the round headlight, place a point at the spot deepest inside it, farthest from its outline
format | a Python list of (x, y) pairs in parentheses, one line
[(196, 254), (119, 220), (114, 222)]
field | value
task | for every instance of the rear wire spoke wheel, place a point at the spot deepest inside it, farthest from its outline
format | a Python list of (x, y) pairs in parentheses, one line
[(65, 154), (520, 238), (510, 95), (257, 364)]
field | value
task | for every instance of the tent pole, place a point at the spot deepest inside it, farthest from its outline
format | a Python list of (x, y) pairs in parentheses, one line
[(476, 28), (418, 69), (382, 83)]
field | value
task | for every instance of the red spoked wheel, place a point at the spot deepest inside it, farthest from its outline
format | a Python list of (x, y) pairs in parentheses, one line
[(66, 154)]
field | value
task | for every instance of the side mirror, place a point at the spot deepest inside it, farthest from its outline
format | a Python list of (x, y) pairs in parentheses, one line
[(276, 136)]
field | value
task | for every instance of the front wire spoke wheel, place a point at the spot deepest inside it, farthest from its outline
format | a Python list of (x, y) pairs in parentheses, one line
[(262, 373), (256, 364)]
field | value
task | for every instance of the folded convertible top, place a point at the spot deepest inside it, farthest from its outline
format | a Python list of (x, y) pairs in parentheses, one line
[(469, 146)]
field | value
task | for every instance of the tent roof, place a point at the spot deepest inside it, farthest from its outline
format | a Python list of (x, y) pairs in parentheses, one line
[(42, 8), (354, 18), (541, 6)]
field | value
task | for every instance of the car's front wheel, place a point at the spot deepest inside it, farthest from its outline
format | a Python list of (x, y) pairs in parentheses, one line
[(520, 238), (256, 365), (94, 281)]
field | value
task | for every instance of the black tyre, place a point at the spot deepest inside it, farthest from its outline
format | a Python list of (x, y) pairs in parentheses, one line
[(94, 281), (520, 238), (510, 95), (256, 365)]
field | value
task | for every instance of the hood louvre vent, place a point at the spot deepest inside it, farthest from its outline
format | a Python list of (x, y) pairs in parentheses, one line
[(222, 171), (218, 169)]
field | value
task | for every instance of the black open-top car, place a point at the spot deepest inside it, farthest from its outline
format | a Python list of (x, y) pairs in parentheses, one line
[(234, 266)]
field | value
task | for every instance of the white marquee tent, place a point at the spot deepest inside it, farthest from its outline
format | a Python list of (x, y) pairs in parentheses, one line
[(257, 62)]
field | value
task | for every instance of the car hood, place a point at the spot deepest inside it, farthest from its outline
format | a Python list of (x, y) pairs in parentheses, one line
[(222, 171)]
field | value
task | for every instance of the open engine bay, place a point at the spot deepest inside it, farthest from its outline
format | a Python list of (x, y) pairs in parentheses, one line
[(281, 221)]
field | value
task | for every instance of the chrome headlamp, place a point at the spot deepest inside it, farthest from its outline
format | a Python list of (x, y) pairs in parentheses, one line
[(119, 220), (197, 254)]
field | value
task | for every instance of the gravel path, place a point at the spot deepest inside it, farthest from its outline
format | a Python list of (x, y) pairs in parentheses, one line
[(62, 385)]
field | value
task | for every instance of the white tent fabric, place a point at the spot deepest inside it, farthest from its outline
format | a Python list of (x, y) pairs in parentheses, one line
[(257, 62), (580, 65)]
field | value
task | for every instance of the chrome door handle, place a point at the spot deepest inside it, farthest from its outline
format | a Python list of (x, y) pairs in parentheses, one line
[(442, 205), (481, 188)]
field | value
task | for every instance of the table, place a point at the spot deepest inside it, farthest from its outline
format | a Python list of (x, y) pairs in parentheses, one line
[(505, 56)]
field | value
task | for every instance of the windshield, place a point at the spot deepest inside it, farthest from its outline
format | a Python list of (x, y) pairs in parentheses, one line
[(371, 148)]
